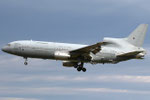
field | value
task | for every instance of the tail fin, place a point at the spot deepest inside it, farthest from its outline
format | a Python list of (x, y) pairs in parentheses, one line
[(137, 37)]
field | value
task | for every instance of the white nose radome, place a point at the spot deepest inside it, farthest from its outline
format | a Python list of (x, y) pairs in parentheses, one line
[(5, 48)]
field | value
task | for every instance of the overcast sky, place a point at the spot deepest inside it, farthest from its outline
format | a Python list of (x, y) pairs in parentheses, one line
[(73, 21)]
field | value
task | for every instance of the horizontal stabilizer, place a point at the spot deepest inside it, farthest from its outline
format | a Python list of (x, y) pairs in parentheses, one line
[(134, 53)]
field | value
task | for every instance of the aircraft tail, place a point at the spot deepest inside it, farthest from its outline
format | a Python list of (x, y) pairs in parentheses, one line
[(137, 37)]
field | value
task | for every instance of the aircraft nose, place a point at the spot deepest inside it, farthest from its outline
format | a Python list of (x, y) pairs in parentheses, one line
[(5, 49)]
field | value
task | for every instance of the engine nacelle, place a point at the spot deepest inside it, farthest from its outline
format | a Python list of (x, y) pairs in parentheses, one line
[(62, 55), (68, 64)]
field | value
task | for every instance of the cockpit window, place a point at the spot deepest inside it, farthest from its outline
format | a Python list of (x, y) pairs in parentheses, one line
[(8, 44)]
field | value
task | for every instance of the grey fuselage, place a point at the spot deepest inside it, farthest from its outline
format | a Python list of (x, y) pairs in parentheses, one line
[(110, 50), (47, 50)]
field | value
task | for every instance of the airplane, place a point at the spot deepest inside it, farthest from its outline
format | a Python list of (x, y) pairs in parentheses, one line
[(110, 50)]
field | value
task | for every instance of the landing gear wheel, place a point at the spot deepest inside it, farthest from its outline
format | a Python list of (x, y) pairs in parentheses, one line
[(75, 66), (84, 69), (79, 69), (25, 63)]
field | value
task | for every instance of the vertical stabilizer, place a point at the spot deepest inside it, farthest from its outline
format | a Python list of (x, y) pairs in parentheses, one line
[(137, 37)]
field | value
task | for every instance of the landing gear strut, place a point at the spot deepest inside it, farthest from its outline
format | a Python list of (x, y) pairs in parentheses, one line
[(26, 59), (80, 67)]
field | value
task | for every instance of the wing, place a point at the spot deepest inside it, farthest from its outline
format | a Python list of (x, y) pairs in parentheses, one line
[(85, 51)]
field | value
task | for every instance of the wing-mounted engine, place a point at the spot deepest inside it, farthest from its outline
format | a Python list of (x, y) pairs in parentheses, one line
[(69, 63), (62, 55)]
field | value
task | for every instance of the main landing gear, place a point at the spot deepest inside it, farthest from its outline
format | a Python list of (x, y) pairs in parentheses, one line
[(26, 59), (80, 67)]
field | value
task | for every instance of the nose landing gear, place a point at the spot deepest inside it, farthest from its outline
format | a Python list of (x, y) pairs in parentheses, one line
[(26, 59)]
